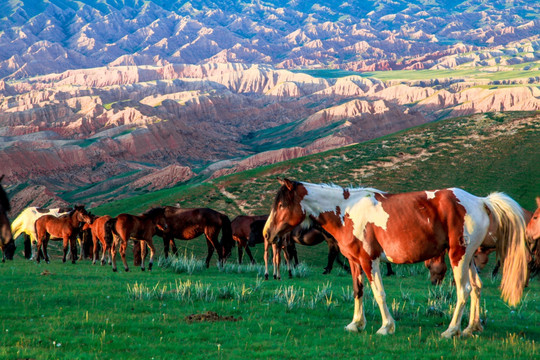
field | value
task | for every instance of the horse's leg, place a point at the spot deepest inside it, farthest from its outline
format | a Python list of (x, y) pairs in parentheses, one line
[(333, 252), (266, 245), (73, 248), (250, 254), (389, 271), (358, 322), (113, 253), (174, 249), (136, 251), (65, 244), (210, 252), (27, 246), (143, 253), (463, 289), (166, 241), (212, 237), (123, 248), (288, 261), (45, 253), (276, 261), (95, 248), (240, 253), (152, 253), (474, 320), (38, 249), (388, 323)]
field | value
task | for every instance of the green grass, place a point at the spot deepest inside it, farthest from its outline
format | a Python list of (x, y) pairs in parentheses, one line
[(88, 312)]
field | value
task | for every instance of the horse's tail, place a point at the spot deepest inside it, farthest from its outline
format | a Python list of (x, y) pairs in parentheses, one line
[(109, 230), (511, 245), (17, 226), (227, 241)]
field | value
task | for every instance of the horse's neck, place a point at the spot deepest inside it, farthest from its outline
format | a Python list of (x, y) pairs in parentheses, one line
[(74, 220)]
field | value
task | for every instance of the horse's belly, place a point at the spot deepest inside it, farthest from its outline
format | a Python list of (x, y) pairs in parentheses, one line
[(413, 248)]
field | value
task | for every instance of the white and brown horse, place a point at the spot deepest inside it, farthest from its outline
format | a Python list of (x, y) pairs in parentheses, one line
[(409, 228), (533, 237), (7, 243)]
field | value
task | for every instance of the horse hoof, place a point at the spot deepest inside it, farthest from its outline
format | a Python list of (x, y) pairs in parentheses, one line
[(265, 276), (142, 269), (275, 277), (352, 328), (73, 262), (114, 270), (47, 261), (127, 269), (326, 272), (150, 267), (63, 260)]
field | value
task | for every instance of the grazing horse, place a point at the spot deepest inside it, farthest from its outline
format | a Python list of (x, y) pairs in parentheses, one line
[(24, 224), (409, 228), (7, 243), (308, 237), (533, 236), (187, 224), (141, 227), (99, 236), (241, 231), (65, 227)]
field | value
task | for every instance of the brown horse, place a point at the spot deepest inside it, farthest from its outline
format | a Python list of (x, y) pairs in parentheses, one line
[(409, 228), (141, 227), (65, 227), (6, 239), (99, 236), (187, 224), (241, 231), (533, 236)]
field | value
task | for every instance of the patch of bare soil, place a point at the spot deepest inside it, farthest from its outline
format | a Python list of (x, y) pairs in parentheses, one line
[(46, 272), (210, 316)]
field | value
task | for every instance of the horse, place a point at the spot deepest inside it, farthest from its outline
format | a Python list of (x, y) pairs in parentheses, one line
[(533, 235), (141, 227), (241, 231), (187, 224), (7, 242), (65, 227), (24, 224), (99, 236), (409, 228), (307, 237)]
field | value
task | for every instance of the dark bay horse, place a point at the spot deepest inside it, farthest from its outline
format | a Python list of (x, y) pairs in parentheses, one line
[(7, 244), (140, 227), (99, 237), (409, 228), (65, 227), (241, 231), (187, 224), (533, 237)]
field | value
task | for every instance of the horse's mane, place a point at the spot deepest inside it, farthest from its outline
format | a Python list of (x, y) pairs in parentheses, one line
[(4, 201), (155, 212), (351, 189)]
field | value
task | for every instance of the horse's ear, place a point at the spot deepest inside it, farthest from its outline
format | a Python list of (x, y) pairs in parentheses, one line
[(538, 201), (289, 184)]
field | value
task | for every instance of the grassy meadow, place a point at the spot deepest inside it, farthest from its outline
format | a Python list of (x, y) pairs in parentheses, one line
[(83, 311)]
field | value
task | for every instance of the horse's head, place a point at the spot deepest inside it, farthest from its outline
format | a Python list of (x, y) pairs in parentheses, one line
[(286, 212), (6, 239), (533, 237), (158, 218), (437, 269), (533, 228), (82, 215)]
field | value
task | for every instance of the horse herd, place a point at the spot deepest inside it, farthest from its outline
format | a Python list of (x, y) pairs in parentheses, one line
[(366, 225)]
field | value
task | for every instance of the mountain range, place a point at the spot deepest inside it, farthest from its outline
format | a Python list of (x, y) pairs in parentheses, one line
[(105, 98)]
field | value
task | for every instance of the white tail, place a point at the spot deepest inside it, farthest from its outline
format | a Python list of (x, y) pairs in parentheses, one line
[(511, 246)]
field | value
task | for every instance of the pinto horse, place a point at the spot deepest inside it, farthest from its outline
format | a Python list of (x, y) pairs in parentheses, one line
[(24, 224), (241, 231), (409, 228), (187, 224), (142, 227), (7, 243), (65, 227)]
